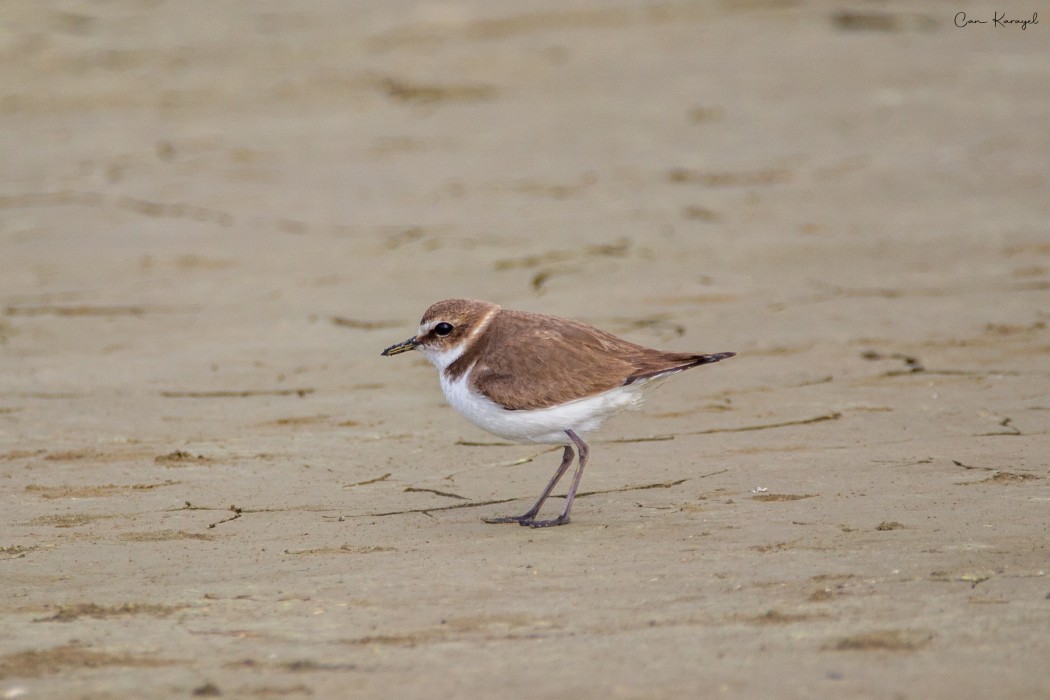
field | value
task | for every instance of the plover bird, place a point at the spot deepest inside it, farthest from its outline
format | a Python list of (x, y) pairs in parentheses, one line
[(528, 377)]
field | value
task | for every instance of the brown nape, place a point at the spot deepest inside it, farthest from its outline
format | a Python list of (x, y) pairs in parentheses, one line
[(557, 360)]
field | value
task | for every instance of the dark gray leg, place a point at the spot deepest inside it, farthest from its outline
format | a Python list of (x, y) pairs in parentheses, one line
[(530, 516), (562, 519)]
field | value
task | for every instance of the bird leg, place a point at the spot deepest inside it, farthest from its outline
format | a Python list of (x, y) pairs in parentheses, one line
[(563, 519), (529, 517)]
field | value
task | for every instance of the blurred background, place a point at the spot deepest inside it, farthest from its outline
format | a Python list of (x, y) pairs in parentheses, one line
[(252, 190), (239, 175)]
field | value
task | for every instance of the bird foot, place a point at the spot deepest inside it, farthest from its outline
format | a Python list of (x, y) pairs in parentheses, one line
[(529, 520), (520, 519), (560, 520)]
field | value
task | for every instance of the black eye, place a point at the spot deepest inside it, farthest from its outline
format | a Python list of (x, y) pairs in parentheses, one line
[(443, 329)]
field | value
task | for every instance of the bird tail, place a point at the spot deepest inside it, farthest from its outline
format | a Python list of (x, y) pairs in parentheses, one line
[(687, 363), (708, 359)]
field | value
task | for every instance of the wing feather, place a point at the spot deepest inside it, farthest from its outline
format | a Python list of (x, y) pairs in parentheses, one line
[(554, 360)]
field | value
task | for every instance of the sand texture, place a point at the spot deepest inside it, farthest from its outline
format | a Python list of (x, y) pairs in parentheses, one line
[(213, 216)]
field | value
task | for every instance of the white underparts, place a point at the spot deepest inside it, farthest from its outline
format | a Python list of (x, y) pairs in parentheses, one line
[(543, 425)]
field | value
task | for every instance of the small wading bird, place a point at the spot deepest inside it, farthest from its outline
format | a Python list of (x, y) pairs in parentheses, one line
[(533, 378)]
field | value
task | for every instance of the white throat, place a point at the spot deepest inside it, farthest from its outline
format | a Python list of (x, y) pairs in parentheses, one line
[(442, 358)]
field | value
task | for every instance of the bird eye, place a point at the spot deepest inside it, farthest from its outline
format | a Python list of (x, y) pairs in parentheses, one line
[(442, 329)]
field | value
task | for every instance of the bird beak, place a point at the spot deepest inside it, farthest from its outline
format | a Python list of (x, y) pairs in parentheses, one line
[(403, 346)]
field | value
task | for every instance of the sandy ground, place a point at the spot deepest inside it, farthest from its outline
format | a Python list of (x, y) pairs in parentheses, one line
[(213, 216)]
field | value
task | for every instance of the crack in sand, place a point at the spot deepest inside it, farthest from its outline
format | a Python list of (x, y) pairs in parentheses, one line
[(68, 613), (238, 511), (235, 393), (767, 426), (582, 494), (34, 663), (446, 494), (366, 482)]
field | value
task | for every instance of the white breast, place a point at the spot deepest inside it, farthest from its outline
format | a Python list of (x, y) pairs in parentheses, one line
[(543, 425)]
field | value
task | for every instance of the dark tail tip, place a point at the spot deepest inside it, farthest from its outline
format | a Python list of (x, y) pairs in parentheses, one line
[(715, 357)]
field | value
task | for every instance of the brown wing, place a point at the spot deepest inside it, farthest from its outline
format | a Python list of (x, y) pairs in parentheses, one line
[(556, 360)]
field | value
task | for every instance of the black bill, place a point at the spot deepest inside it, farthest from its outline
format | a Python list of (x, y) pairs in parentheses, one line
[(403, 346)]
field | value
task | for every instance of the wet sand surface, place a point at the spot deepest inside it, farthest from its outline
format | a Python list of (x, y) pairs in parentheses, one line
[(214, 217)]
